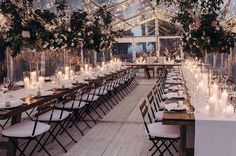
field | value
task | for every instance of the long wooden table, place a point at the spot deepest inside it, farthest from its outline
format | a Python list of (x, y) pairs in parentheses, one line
[(182, 119), (146, 66), (31, 102)]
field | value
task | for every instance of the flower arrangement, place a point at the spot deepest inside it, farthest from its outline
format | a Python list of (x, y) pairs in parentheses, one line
[(202, 30)]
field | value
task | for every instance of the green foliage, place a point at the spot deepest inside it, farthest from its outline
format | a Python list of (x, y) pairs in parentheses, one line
[(201, 28), (41, 29)]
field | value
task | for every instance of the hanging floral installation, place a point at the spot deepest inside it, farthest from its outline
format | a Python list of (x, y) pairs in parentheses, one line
[(23, 26), (202, 28)]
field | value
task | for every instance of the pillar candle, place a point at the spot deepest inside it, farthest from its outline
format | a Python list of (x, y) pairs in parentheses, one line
[(86, 68), (67, 72), (224, 96), (207, 109), (59, 76), (33, 77), (71, 74), (41, 82), (229, 110), (215, 90), (213, 104), (26, 83)]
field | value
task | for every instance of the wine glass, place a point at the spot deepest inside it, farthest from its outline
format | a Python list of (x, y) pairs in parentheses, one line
[(6, 84)]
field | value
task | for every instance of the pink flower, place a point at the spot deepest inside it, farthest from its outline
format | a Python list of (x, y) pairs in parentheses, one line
[(214, 24), (196, 26)]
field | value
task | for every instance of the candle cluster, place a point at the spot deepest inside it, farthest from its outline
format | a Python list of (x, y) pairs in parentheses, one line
[(33, 81), (105, 67), (65, 74), (215, 95)]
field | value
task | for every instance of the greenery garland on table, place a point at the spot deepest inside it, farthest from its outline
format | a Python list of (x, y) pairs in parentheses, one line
[(202, 30), (26, 27)]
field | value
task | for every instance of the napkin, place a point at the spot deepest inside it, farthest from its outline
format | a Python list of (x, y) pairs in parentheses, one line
[(175, 106), (172, 95)]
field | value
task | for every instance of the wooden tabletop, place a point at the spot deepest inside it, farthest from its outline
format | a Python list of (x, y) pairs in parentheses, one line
[(31, 102), (153, 64), (180, 117)]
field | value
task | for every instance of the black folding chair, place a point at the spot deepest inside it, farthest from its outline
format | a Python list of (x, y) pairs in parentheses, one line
[(162, 136)]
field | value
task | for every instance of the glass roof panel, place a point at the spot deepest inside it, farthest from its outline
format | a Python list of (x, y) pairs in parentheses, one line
[(130, 13)]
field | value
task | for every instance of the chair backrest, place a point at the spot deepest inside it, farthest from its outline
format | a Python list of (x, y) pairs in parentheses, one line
[(145, 114), (152, 104), (44, 108), (70, 96), (88, 92)]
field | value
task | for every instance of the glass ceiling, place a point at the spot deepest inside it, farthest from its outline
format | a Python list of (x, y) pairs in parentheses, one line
[(128, 14)]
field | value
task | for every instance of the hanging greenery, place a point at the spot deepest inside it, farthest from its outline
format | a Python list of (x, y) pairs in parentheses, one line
[(26, 27), (202, 30)]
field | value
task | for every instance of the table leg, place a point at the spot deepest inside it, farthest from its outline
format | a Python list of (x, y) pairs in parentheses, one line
[(147, 72), (183, 131), (11, 151)]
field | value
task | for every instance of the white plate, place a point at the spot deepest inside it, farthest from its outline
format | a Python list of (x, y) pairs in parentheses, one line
[(13, 104)]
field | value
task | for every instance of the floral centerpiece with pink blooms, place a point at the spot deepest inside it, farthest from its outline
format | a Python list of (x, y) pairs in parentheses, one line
[(202, 26)]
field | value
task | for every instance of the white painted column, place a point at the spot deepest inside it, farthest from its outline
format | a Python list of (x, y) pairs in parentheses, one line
[(157, 35), (82, 56), (133, 50), (159, 48), (110, 51), (181, 52), (9, 65), (94, 58), (230, 64), (43, 64)]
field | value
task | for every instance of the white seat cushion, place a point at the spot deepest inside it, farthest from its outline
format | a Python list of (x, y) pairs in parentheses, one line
[(55, 117), (116, 85), (159, 115), (25, 129), (99, 91), (70, 105), (110, 88), (122, 82), (162, 105), (88, 97), (165, 131)]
